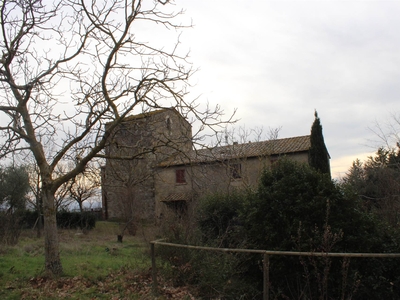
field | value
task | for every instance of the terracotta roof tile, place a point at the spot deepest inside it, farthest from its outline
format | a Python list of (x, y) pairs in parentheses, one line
[(271, 147), (177, 197)]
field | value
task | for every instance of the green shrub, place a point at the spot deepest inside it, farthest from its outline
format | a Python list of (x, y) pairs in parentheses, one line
[(65, 219), (299, 209), (14, 186), (214, 274), (74, 220), (29, 219), (10, 228), (218, 220)]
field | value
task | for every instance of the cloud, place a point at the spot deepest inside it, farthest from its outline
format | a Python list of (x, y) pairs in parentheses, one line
[(277, 61), (341, 166)]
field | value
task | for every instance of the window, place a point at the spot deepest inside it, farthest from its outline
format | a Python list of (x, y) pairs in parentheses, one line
[(168, 123), (180, 176), (178, 207), (236, 171)]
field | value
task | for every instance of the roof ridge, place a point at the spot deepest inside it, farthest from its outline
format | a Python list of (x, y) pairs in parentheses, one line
[(259, 142), (236, 151)]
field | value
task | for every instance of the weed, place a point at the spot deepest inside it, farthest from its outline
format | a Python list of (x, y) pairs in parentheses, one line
[(95, 266)]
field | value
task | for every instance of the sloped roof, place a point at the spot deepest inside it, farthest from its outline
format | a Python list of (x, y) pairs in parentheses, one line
[(247, 150), (177, 197)]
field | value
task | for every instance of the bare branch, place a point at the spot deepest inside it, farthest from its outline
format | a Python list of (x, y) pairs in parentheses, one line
[(71, 68)]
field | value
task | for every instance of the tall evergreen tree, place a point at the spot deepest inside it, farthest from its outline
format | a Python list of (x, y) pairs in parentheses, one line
[(318, 157), (376, 181)]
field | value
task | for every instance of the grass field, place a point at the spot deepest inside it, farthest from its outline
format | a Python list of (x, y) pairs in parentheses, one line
[(95, 266)]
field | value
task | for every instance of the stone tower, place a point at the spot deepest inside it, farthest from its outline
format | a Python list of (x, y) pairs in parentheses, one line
[(135, 149)]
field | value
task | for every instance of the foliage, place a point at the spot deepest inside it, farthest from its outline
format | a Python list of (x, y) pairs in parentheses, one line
[(292, 195), (74, 220), (14, 186), (297, 208), (212, 274), (65, 220), (318, 154), (376, 183), (219, 276), (218, 220), (30, 219)]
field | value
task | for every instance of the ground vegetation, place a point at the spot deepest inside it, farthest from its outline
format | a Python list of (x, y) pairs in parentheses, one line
[(295, 208), (96, 266)]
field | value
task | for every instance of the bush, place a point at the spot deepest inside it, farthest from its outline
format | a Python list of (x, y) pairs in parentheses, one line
[(299, 209), (65, 220), (225, 274), (213, 274), (29, 219), (75, 220), (14, 186), (10, 228), (218, 219)]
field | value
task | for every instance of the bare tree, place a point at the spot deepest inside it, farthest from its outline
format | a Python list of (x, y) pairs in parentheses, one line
[(387, 133), (62, 197), (70, 67), (241, 135), (85, 186), (376, 179)]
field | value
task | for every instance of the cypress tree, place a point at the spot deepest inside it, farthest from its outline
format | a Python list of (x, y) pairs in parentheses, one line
[(318, 156)]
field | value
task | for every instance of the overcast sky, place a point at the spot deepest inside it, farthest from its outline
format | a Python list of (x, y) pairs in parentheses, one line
[(277, 61)]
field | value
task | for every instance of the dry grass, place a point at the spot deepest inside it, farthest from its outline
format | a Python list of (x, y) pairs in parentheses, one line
[(95, 265)]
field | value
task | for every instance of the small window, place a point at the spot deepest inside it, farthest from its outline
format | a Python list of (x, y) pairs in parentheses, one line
[(168, 123), (180, 176), (236, 171), (178, 207)]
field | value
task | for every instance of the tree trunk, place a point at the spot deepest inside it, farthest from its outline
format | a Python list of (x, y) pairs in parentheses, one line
[(52, 253), (39, 226), (39, 208)]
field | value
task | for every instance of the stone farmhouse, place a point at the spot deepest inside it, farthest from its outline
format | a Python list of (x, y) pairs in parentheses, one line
[(154, 171)]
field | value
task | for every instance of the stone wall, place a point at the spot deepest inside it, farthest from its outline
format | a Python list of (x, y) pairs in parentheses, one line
[(153, 171), (209, 178), (135, 149)]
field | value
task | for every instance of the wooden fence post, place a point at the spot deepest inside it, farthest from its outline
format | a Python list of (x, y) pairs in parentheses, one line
[(266, 276), (154, 269)]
